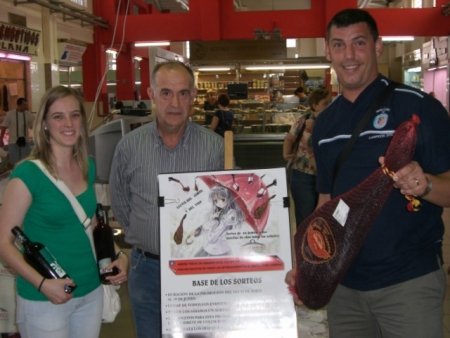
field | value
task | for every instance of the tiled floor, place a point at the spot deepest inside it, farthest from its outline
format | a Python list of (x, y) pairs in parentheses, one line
[(123, 325)]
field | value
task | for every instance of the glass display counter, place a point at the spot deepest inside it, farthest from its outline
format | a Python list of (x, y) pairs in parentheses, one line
[(259, 151), (258, 120)]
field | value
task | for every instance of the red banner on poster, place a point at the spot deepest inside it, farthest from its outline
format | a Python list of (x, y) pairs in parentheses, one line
[(226, 264)]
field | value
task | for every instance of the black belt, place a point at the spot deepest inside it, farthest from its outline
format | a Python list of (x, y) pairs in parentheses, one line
[(147, 254)]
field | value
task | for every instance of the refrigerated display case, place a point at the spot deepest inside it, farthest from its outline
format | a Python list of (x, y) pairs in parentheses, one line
[(412, 69)]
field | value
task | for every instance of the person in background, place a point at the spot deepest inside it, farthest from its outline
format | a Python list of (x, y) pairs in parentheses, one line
[(169, 144), (210, 100), (119, 105), (396, 285), (298, 152), (223, 117), (210, 105), (302, 98), (141, 105), (18, 122), (33, 202), (278, 97)]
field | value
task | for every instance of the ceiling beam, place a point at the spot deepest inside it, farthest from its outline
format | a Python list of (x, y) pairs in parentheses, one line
[(69, 12), (216, 20)]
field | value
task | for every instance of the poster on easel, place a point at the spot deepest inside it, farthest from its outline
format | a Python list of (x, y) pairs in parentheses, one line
[(225, 251)]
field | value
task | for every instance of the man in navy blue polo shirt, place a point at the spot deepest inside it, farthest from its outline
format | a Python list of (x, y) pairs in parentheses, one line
[(395, 287)]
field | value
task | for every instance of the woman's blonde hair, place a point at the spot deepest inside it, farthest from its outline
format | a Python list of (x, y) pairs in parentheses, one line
[(42, 149)]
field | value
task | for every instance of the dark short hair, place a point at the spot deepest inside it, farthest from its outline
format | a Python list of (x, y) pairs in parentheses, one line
[(21, 100), (118, 105), (351, 16), (299, 90), (223, 100), (317, 95), (171, 65)]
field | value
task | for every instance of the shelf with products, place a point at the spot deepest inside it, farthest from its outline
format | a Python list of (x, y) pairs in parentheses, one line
[(262, 85), (257, 84), (255, 117)]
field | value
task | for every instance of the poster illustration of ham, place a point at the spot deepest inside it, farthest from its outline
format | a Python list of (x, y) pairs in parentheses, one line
[(225, 249)]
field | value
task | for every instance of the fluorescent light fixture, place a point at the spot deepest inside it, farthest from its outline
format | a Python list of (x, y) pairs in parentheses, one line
[(397, 38), (288, 67), (291, 43), (414, 69), (113, 84), (15, 56), (152, 44), (73, 85), (214, 69)]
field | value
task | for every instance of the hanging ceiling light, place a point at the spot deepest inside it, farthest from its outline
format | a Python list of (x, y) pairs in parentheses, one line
[(13, 56), (397, 38), (214, 69), (152, 44), (288, 67)]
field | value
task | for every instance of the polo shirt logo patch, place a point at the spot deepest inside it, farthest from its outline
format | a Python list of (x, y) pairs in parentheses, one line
[(380, 121)]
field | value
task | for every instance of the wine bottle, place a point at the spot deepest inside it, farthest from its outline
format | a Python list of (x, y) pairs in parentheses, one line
[(40, 258), (104, 245)]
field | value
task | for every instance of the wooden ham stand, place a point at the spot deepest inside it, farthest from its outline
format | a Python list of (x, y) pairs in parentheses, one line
[(229, 150)]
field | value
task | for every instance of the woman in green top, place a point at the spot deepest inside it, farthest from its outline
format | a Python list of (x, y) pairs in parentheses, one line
[(44, 309)]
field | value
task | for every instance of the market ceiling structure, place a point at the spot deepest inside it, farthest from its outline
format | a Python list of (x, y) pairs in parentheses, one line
[(176, 6), (207, 20), (220, 20), (216, 20), (68, 11)]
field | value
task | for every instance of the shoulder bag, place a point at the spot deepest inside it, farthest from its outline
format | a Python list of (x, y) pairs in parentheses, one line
[(111, 299), (296, 142)]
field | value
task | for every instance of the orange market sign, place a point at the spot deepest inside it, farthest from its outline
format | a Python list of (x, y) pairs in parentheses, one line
[(18, 39)]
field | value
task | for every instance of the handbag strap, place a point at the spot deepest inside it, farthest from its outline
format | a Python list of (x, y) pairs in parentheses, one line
[(79, 211), (302, 129), (360, 126)]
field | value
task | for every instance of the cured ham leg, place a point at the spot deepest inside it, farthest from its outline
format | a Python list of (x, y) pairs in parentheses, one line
[(329, 239)]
